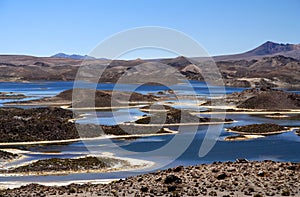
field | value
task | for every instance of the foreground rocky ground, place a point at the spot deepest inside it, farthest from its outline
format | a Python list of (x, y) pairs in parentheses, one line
[(240, 178)]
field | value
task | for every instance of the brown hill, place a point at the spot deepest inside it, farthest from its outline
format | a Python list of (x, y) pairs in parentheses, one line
[(270, 64), (267, 49), (270, 99), (84, 98), (277, 71)]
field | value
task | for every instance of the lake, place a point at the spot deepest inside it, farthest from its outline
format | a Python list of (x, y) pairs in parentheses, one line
[(283, 147)]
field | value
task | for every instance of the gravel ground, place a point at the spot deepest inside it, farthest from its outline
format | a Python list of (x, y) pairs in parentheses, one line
[(240, 178)]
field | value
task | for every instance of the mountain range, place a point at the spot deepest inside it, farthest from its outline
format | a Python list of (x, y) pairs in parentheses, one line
[(270, 64), (73, 56), (266, 49)]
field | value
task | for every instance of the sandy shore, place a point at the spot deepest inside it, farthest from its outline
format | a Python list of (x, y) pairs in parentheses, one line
[(258, 134), (179, 124), (249, 112), (241, 178)]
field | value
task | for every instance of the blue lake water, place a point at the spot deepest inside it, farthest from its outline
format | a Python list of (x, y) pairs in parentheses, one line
[(283, 147)]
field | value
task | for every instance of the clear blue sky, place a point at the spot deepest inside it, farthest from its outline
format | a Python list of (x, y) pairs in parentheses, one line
[(46, 27)]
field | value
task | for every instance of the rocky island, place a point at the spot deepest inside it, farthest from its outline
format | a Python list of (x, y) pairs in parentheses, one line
[(103, 98), (37, 124), (259, 129), (247, 132), (11, 95), (55, 124), (169, 115), (7, 155), (265, 98), (66, 166)]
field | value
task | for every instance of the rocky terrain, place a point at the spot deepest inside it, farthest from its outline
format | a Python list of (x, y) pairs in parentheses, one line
[(39, 124), (6, 155), (265, 98), (240, 178), (63, 166), (84, 98), (89, 130), (276, 71), (11, 95), (132, 130), (259, 129), (48, 124), (271, 64), (174, 116)]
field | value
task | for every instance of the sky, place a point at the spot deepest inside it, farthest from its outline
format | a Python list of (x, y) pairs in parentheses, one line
[(44, 28)]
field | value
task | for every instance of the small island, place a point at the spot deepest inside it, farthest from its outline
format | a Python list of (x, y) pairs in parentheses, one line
[(266, 99), (4, 155), (11, 95), (169, 115), (259, 129), (67, 165), (51, 124), (84, 99)]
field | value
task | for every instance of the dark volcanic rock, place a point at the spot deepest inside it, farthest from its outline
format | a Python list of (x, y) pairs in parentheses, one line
[(58, 164), (266, 98), (221, 176), (263, 129), (144, 189), (175, 116), (131, 129), (7, 155), (90, 98), (4, 95), (48, 124), (172, 179), (17, 125)]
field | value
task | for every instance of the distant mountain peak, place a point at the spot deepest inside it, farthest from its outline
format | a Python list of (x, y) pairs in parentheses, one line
[(73, 56), (269, 48)]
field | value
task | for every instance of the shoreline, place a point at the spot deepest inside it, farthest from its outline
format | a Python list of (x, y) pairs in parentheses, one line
[(250, 112), (16, 184), (180, 124), (172, 132), (241, 137), (239, 178), (133, 164), (258, 134)]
